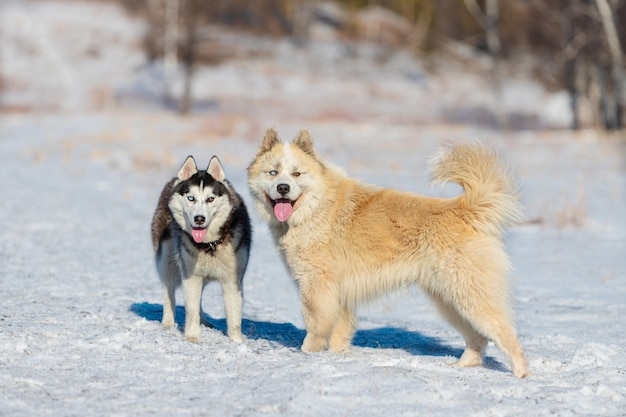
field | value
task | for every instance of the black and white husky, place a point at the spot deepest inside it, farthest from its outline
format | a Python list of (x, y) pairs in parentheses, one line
[(201, 232)]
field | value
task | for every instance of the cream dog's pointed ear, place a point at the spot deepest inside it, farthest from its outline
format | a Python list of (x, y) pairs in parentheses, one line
[(188, 169), (304, 141), (270, 139), (215, 169)]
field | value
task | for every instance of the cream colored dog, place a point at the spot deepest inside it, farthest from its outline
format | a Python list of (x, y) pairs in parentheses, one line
[(346, 242)]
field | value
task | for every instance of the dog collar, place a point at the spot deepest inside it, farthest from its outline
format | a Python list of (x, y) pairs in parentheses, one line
[(212, 246)]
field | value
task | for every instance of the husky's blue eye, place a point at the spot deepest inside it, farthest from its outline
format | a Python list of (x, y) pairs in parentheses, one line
[(273, 172), (191, 198), (210, 199)]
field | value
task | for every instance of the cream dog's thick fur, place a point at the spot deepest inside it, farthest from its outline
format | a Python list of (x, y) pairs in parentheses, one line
[(346, 242)]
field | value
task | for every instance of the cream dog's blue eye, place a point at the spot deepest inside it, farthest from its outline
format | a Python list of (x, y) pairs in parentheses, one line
[(273, 172), (191, 198)]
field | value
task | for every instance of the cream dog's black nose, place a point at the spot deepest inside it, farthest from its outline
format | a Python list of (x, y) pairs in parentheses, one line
[(282, 189)]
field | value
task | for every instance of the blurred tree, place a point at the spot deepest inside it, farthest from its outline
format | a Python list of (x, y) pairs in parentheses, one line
[(569, 62), (189, 52), (489, 21), (617, 61), (170, 37)]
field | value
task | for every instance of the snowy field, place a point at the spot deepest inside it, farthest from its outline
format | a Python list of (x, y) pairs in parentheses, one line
[(81, 302)]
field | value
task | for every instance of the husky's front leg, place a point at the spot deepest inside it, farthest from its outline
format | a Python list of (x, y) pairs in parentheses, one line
[(170, 278), (192, 288), (203, 319), (169, 305), (233, 300)]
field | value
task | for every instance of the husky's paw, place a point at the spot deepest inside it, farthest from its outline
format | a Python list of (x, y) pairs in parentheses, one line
[(236, 336), (168, 318), (193, 337)]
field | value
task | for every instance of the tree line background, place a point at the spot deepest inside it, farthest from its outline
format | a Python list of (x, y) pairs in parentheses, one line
[(572, 45)]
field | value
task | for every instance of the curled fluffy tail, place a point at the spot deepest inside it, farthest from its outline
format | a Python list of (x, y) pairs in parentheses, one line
[(491, 193)]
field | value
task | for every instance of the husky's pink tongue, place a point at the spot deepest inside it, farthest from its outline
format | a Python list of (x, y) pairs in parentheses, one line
[(198, 234), (282, 210)]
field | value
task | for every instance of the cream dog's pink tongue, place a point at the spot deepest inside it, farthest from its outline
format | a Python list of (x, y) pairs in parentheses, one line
[(198, 234), (282, 210)]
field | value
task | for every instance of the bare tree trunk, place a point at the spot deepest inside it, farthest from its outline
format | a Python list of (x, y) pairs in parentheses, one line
[(170, 38), (300, 13), (617, 61), (421, 24), (606, 103), (569, 67), (489, 21), (493, 17), (170, 46), (189, 56)]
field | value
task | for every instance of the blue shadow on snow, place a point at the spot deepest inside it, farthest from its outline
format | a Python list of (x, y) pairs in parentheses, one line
[(290, 336), (285, 334)]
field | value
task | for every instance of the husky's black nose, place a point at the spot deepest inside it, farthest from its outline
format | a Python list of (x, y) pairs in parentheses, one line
[(282, 188), (199, 220)]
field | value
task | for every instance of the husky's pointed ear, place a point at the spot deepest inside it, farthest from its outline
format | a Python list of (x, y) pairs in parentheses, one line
[(215, 169), (188, 169), (304, 141), (270, 139)]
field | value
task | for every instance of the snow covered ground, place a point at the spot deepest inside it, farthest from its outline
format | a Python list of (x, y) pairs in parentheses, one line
[(81, 301), (79, 324)]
